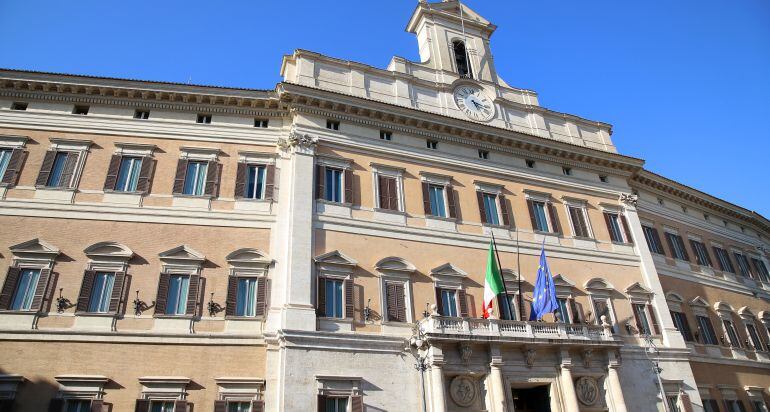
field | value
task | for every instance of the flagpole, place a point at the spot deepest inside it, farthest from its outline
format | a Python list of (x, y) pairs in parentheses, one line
[(500, 268), (518, 275)]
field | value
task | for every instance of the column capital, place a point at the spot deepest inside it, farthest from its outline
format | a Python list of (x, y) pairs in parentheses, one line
[(629, 200), (298, 143)]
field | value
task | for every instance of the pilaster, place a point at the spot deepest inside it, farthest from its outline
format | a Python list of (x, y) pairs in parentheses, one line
[(568, 384)]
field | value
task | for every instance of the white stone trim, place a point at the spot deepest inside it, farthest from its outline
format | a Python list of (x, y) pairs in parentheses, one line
[(341, 386), (261, 158), (164, 387), (435, 179), (34, 254), (182, 260), (334, 162), (240, 389), (81, 386), (70, 145), (108, 256), (199, 153), (135, 149), (13, 142), (491, 188)]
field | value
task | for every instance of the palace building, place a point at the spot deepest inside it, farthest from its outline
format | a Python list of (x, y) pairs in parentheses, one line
[(321, 246)]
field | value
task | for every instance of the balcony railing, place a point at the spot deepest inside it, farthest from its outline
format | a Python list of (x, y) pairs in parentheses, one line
[(516, 329)]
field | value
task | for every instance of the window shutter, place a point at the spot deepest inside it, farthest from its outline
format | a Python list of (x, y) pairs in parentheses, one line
[(145, 175), (257, 406), (393, 194), (162, 296), (45, 168), (232, 295), (117, 291), (463, 303), (716, 253), (348, 186), (504, 210), (180, 406), (181, 173), (261, 296), (626, 229), (653, 319), (639, 326), (531, 207), (684, 249), (451, 204), (85, 291), (439, 302), (41, 290), (356, 403), (112, 172), (390, 296), (68, 172), (688, 332), (577, 317), (383, 196), (12, 171), (320, 176), (56, 405), (695, 250), (240, 180), (142, 405), (212, 178), (349, 310), (554, 218), (608, 221), (321, 304), (220, 406), (656, 235), (269, 182), (426, 198), (192, 296), (482, 211), (321, 403), (96, 405), (401, 302), (9, 287)]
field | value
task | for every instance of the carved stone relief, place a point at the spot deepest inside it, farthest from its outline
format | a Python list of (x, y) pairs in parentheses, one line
[(587, 390), (463, 391)]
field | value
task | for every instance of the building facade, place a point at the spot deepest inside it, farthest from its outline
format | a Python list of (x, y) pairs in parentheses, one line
[(322, 246)]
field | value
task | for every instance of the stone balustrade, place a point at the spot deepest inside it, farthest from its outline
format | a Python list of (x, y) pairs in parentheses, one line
[(515, 329)]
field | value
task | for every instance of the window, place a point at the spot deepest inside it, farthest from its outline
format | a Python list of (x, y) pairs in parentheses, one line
[(162, 406), (732, 334), (57, 177), (142, 114), (128, 175), (448, 302), (756, 342), (642, 322), (602, 308), (5, 158), (77, 405), (707, 334), (483, 154), (203, 118), (564, 310), (603, 178), (178, 289), (385, 135), (195, 178), (62, 163), (19, 106), (238, 406), (388, 198), (490, 208), (677, 246), (701, 254), (566, 171), (332, 125), (333, 185), (660, 201), (431, 144), (681, 324), (653, 240), (758, 406), (436, 198), (507, 306), (261, 123), (101, 292), (725, 264), (81, 110), (541, 221), (734, 405), (743, 264), (761, 269), (336, 404), (25, 289), (579, 221), (672, 403), (334, 299), (530, 163), (255, 182), (461, 60), (395, 301), (710, 405), (246, 299), (618, 227)]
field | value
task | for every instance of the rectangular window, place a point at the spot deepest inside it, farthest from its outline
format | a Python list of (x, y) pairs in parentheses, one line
[(653, 240), (236, 406), (681, 324), (246, 299), (431, 144), (483, 154), (101, 292), (701, 254), (81, 110), (566, 171), (758, 406), (333, 185), (614, 227), (336, 404), (255, 182), (334, 300), (507, 306), (388, 192), (385, 135), (178, 288), (710, 405), (21, 106), (162, 406), (490, 208), (332, 125), (603, 178), (541, 221), (602, 308), (195, 179), (761, 269), (725, 264), (25, 289), (579, 221), (642, 322), (5, 158), (78, 405), (530, 163), (128, 175), (203, 118), (563, 310), (448, 302), (732, 334), (142, 114), (677, 246), (672, 405), (734, 405), (261, 123), (707, 334), (743, 265), (55, 177), (754, 336), (437, 204)]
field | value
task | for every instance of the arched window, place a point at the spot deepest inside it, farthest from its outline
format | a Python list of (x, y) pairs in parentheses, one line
[(461, 59)]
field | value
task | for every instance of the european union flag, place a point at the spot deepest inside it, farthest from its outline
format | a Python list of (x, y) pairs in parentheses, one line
[(544, 295)]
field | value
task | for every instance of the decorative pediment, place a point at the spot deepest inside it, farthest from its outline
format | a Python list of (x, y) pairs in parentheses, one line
[(674, 297), (599, 285), (746, 312), (764, 315), (699, 302), (448, 269), (248, 256), (182, 254), (108, 250), (335, 261), (723, 307), (562, 282), (637, 288), (393, 264), (37, 247), (511, 279)]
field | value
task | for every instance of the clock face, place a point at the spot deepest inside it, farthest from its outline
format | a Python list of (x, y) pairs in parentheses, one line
[(474, 103)]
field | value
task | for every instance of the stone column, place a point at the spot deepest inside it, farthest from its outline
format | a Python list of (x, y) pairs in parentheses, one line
[(567, 384), (497, 383), (438, 400), (613, 384)]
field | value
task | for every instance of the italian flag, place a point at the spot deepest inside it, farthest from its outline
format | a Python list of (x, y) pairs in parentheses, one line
[(493, 282)]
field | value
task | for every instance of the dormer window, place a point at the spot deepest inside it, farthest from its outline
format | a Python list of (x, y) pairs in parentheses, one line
[(461, 60)]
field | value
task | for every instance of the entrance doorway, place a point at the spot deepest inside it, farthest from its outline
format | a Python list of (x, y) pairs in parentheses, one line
[(535, 399)]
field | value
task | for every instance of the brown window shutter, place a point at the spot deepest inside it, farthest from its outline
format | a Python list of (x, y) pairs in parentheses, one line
[(321, 403), (220, 406), (85, 291), (390, 296), (439, 302), (349, 308), (609, 228), (192, 295), (232, 295), (348, 186), (320, 177), (269, 182), (162, 296), (117, 291), (13, 170), (181, 173), (451, 204), (461, 298), (531, 207), (653, 319), (384, 195), (212, 179), (504, 210), (142, 405), (577, 317), (635, 309), (393, 190), (257, 406), (68, 172), (112, 172), (180, 406), (426, 198), (482, 212), (45, 168), (554, 218), (356, 403), (145, 175), (684, 249), (56, 405), (716, 254), (240, 180), (9, 287), (656, 235), (400, 302), (321, 304), (261, 296), (626, 228), (96, 405), (41, 290)]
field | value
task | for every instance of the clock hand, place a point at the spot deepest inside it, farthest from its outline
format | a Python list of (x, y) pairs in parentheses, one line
[(475, 103)]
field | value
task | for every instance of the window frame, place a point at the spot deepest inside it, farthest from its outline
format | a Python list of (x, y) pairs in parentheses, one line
[(389, 172), (676, 240), (700, 251), (141, 114), (80, 148), (333, 124), (204, 118), (260, 167), (581, 207), (723, 257)]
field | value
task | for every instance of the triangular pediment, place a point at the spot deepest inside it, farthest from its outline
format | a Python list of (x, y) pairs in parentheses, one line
[(561, 281), (182, 252), (35, 246), (636, 288), (336, 258), (394, 263), (674, 297), (108, 250), (448, 269), (699, 301)]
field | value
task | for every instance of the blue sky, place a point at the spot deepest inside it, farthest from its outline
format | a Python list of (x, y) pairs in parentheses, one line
[(685, 83)]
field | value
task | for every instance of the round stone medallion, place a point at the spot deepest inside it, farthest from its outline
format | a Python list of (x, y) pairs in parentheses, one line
[(463, 390), (587, 390)]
